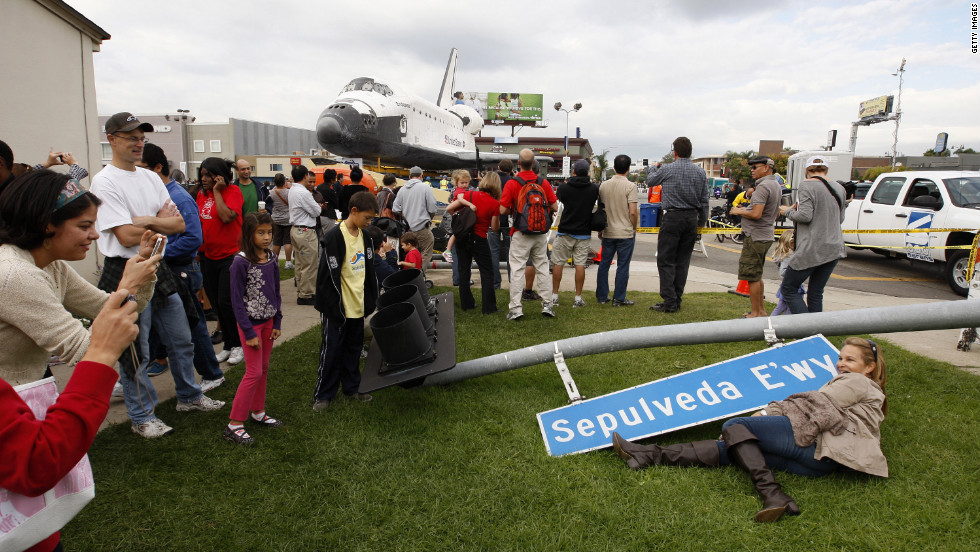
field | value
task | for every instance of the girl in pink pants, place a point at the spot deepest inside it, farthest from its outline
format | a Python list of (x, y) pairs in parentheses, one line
[(258, 311)]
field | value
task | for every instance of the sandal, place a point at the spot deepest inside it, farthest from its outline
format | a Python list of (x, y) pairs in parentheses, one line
[(267, 421), (238, 436)]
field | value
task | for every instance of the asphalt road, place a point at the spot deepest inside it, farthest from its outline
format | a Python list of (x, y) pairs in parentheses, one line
[(862, 270)]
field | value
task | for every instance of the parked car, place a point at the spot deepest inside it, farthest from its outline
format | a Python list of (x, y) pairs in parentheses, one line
[(920, 200)]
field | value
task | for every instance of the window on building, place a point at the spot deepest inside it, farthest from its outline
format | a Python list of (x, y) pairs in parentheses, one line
[(106, 152), (215, 146), (198, 146), (276, 167)]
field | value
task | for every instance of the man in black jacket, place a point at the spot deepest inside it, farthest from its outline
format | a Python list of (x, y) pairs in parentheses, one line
[(346, 292), (578, 197)]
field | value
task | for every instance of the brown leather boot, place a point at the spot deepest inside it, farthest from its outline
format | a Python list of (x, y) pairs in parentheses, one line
[(743, 448), (698, 453)]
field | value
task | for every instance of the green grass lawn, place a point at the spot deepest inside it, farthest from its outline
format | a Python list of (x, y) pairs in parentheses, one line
[(463, 467)]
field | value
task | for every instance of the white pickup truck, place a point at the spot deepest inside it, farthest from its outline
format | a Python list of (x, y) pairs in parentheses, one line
[(920, 199)]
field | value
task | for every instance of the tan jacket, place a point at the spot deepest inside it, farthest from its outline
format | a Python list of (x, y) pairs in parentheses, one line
[(36, 308), (859, 445)]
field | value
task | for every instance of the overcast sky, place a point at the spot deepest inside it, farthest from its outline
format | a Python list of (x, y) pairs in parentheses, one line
[(725, 74)]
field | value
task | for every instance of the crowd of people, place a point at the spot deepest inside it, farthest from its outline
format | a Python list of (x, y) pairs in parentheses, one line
[(167, 249)]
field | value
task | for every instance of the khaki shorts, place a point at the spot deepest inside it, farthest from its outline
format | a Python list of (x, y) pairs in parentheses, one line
[(753, 259), (566, 247)]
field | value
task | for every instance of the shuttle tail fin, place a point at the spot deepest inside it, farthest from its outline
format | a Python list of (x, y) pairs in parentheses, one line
[(448, 81)]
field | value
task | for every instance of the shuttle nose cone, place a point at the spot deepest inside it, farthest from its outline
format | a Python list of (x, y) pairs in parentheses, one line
[(329, 131)]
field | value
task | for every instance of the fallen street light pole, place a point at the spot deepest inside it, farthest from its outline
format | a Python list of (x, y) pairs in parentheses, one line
[(903, 318)]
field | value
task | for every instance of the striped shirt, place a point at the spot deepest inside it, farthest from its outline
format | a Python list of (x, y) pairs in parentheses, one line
[(685, 186)]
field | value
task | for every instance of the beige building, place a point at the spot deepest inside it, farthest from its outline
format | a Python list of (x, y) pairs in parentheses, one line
[(46, 49), (713, 165)]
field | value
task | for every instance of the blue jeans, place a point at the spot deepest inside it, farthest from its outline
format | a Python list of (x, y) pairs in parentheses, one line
[(779, 447), (171, 321), (790, 288), (499, 247), (623, 249), (205, 362)]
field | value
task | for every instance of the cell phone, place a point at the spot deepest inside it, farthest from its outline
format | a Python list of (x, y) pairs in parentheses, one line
[(157, 247)]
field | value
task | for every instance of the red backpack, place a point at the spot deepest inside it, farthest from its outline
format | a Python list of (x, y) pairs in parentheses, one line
[(533, 212)]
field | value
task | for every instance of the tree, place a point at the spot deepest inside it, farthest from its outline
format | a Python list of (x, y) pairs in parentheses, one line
[(667, 158), (599, 165), (964, 149), (781, 161), (932, 153), (873, 172), (737, 164)]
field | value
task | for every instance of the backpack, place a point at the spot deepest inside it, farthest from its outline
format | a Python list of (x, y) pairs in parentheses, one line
[(532, 214), (386, 199), (464, 221)]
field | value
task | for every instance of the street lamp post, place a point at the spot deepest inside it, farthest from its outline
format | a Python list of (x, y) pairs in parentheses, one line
[(558, 107)]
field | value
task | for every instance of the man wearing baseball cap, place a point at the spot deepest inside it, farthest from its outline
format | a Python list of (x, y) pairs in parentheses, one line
[(817, 218), (758, 220), (416, 203), (134, 201)]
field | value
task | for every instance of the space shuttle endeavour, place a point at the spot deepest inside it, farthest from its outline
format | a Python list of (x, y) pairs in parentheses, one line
[(374, 119)]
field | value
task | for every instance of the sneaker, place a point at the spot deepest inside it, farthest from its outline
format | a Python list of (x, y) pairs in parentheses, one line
[(204, 404), (363, 397), (447, 256), (515, 315), (530, 295), (209, 384), (289, 266), (578, 303), (319, 406), (623, 303), (210, 315), (152, 429), (156, 368), (236, 356), (238, 436), (117, 390), (223, 355), (554, 302), (217, 337), (548, 311)]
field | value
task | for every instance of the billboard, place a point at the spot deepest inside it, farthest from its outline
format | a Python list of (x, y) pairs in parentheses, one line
[(876, 107), (506, 106)]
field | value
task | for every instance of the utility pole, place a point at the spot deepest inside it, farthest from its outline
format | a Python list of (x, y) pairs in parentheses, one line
[(898, 108)]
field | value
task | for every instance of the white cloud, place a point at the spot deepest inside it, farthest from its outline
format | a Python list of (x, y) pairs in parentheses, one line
[(725, 74)]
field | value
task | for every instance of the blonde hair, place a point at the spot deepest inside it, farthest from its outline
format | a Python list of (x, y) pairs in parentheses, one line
[(784, 246), (458, 175), (871, 354), (491, 185)]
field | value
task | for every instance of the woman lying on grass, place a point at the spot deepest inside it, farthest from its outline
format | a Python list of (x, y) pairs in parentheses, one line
[(812, 434)]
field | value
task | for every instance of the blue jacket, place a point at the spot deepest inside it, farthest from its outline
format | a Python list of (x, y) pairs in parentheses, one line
[(183, 247)]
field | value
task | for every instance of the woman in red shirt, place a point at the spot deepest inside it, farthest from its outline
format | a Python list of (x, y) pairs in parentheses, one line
[(219, 204), (486, 203)]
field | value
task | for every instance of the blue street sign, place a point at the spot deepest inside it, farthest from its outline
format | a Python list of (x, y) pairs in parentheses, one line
[(714, 392)]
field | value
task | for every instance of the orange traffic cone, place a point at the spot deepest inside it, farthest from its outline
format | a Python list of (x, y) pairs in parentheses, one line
[(742, 289)]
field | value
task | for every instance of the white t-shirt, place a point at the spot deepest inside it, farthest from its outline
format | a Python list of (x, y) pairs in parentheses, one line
[(125, 195)]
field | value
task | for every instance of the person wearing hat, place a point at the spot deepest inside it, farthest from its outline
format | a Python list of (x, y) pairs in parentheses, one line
[(133, 201), (817, 218), (416, 204), (619, 196), (758, 221), (578, 196)]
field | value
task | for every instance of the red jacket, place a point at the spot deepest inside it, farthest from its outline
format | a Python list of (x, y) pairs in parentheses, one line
[(36, 454)]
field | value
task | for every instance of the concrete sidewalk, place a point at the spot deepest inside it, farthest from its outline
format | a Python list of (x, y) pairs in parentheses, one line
[(936, 344)]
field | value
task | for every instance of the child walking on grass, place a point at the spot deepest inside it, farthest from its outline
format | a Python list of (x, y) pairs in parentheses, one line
[(257, 305), (782, 253), (413, 257)]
